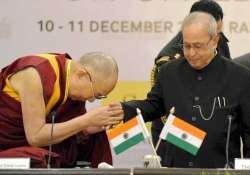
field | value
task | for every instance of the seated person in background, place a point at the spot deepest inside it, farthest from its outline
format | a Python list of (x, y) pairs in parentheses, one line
[(33, 87), (243, 60), (173, 50), (205, 89)]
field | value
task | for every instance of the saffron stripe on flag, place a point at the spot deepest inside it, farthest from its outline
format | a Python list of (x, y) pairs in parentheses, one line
[(182, 144), (189, 128), (124, 127), (128, 143)]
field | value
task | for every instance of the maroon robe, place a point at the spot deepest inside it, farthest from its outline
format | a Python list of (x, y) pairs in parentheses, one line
[(13, 143)]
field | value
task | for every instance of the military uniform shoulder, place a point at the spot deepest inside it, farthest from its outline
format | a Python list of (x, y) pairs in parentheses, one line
[(163, 62), (172, 49), (165, 59)]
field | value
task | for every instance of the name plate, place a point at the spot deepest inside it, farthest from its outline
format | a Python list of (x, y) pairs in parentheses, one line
[(242, 164), (14, 163)]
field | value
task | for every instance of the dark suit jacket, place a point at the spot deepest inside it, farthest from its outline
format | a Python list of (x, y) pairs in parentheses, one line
[(184, 88), (173, 50)]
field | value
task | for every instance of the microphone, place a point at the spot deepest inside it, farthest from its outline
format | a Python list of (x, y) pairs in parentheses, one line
[(53, 115), (227, 165)]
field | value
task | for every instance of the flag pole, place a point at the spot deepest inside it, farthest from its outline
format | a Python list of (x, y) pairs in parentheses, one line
[(157, 144), (154, 151), (147, 134), (172, 110)]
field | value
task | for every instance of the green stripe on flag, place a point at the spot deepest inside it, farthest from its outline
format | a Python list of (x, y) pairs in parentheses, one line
[(128, 143), (182, 144)]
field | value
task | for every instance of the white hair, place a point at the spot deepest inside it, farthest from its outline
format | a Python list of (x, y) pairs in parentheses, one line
[(201, 18)]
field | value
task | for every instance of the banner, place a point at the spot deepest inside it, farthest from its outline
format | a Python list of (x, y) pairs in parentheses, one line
[(132, 31)]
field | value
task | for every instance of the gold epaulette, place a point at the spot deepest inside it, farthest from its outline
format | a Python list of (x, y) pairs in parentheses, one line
[(155, 70), (177, 56), (153, 74), (158, 63), (162, 59)]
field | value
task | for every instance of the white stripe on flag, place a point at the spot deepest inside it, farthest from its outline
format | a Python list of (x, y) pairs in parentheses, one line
[(142, 123), (131, 132), (168, 123), (190, 138)]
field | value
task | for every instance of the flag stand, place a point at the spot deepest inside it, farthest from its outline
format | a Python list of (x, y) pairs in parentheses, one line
[(148, 135), (154, 151)]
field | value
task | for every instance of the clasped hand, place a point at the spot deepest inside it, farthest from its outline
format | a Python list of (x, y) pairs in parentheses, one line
[(106, 116)]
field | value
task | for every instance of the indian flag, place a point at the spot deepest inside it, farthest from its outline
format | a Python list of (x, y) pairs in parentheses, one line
[(127, 135), (182, 134)]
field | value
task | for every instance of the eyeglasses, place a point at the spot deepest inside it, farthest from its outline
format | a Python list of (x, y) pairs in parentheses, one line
[(98, 97), (198, 47)]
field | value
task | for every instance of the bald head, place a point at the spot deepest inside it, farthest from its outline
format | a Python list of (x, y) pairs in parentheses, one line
[(93, 75), (102, 68), (202, 19)]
